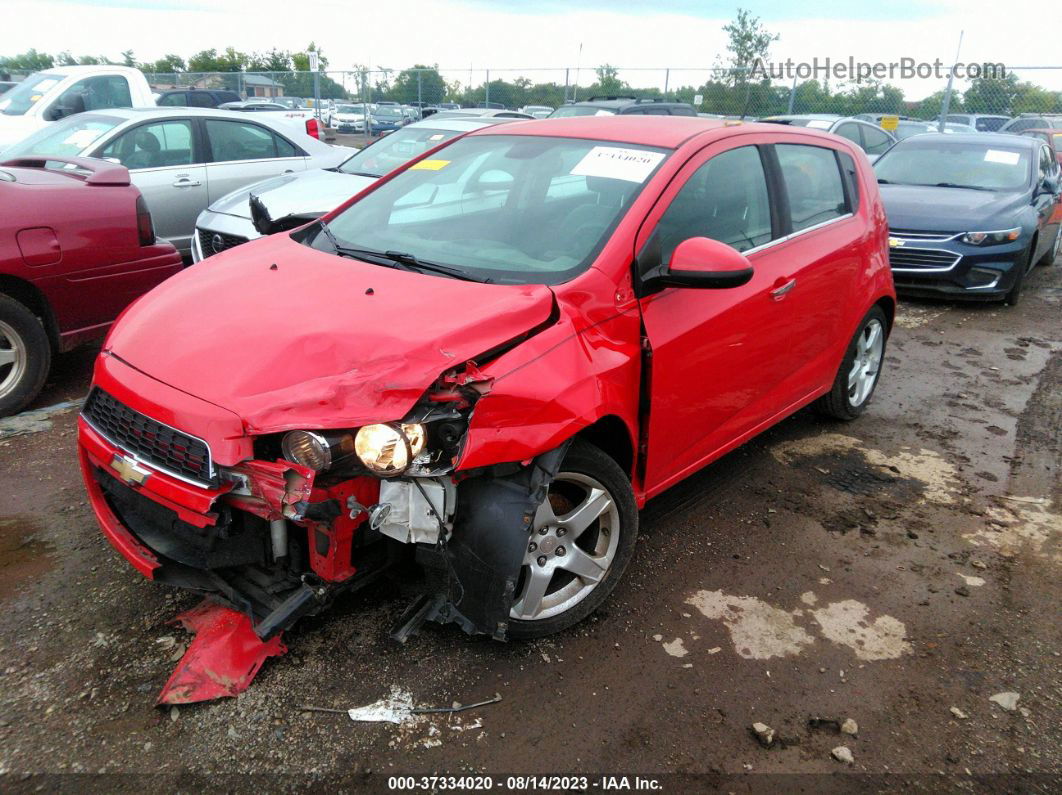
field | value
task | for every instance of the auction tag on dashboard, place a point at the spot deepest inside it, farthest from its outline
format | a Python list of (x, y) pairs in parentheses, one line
[(81, 138), (613, 162), (436, 137), (1001, 156), (429, 165)]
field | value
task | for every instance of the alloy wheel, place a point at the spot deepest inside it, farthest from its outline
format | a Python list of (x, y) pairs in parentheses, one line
[(13, 359), (867, 363), (573, 542)]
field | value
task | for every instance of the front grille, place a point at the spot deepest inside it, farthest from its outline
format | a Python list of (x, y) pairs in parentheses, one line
[(923, 259), (914, 234), (149, 440), (211, 242)]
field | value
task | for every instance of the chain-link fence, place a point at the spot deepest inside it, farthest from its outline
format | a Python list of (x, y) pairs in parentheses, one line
[(722, 92)]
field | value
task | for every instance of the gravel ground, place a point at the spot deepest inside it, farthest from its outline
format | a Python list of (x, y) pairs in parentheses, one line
[(901, 571)]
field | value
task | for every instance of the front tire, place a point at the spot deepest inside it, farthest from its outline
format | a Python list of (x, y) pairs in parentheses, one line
[(860, 369), (582, 539), (1013, 298), (1051, 254), (25, 356)]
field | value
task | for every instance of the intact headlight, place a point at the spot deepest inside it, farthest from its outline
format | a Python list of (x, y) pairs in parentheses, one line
[(389, 449), (988, 238), (318, 451)]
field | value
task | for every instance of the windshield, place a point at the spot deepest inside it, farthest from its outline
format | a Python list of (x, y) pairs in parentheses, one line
[(580, 110), (67, 138), (387, 113), (394, 150), (28, 93), (987, 166), (350, 109), (905, 129), (502, 208)]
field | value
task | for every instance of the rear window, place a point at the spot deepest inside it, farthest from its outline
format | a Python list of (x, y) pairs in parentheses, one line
[(580, 110), (66, 138), (813, 184)]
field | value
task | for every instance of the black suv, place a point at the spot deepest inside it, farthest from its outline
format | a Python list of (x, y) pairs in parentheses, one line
[(196, 98), (597, 106)]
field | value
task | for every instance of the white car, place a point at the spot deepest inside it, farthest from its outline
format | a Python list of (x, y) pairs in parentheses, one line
[(182, 159), (288, 201), (45, 97), (350, 117)]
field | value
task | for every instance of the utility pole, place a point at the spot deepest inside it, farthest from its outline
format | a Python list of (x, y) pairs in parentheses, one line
[(947, 91), (792, 96), (578, 65)]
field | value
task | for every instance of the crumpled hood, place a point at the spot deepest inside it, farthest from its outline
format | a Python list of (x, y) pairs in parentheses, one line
[(309, 192), (320, 341), (949, 209)]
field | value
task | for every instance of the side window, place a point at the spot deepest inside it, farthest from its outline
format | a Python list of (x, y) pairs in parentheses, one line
[(851, 132), (200, 99), (236, 140), (285, 148), (679, 110), (725, 199), (851, 180), (175, 100), (875, 141), (167, 143), (654, 110), (812, 183), (95, 93)]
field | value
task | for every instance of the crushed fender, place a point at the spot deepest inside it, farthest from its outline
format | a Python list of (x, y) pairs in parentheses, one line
[(222, 660)]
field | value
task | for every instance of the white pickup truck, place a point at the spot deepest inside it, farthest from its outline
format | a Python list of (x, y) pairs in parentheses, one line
[(53, 94)]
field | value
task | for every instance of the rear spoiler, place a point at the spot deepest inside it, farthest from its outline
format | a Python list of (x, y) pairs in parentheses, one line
[(100, 172)]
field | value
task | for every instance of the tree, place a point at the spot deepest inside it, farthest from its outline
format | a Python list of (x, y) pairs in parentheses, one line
[(432, 87), (608, 82), (128, 59), (210, 61), (748, 41), (167, 65), (28, 61), (273, 61)]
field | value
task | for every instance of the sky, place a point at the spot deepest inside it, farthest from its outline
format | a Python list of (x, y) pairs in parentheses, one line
[(522, 35)]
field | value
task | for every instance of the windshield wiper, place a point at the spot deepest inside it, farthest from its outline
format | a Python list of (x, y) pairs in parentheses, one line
[(957, 185), (412, 261)]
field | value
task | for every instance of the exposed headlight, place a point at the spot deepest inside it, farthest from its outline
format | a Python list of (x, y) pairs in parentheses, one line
[(389, 449), (318, 451), (988, 238)]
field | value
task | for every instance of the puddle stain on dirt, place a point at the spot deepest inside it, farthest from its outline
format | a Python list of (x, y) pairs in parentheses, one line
[(758, 630), (847, 623), (1022, 526), (761, 631), (23, 555), (939, 478)]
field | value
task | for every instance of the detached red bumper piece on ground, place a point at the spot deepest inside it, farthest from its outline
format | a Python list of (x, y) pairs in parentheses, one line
[(223, 659)]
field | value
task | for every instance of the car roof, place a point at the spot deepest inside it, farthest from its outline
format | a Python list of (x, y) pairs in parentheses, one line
[(999, 139), (665, 132), (89, 69), (795, 116), (1048, 130), (459, 123)]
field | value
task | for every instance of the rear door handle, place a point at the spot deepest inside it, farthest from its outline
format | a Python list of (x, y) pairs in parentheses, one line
[(778, 293), (186, 182)]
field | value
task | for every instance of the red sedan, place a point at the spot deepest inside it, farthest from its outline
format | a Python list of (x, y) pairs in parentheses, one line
[(76, 247), (486, 363)]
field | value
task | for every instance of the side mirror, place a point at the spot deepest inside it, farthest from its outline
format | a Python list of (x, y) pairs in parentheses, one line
[(1049, 185), (702, 262)]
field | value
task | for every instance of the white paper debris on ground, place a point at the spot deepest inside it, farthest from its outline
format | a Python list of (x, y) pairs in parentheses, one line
[(396, 708), (676, 648), (1007, 700)]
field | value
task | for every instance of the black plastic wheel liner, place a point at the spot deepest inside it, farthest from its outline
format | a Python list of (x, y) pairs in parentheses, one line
[(475, 573)]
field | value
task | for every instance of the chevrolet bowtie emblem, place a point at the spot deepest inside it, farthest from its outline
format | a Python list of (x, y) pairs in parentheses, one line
[(895, 242), (129, 471)]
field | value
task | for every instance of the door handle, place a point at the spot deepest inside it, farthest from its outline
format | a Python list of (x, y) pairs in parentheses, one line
[(780, 292), (186, 182), (288, 171)]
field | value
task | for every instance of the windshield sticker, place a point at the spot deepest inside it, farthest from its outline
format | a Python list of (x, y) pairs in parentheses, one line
[(429, 165), (604, 113), (436, 137), (613, 162), (81, 138), (819, 124), (1001, 156)]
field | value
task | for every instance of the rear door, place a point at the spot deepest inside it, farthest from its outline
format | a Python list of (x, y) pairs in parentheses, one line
[(242, 152), (165, 162)]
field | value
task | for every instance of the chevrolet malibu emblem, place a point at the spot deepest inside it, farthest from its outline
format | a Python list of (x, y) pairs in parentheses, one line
[(217, 242), (129, 471), (895, 242)]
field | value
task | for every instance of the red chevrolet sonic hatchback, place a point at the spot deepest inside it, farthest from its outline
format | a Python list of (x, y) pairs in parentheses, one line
[(484, 364)]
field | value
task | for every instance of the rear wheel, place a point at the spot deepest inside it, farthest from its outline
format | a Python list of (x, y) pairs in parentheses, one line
[(581, 541), (25, 356), (859, 371)]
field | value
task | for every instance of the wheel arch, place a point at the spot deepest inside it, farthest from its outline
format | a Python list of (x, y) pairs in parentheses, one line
[(611, 435), (888, 306), (33, 299)]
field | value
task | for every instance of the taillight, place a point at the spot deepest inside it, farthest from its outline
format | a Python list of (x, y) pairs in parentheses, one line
[(145, 229), (312, 128)]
